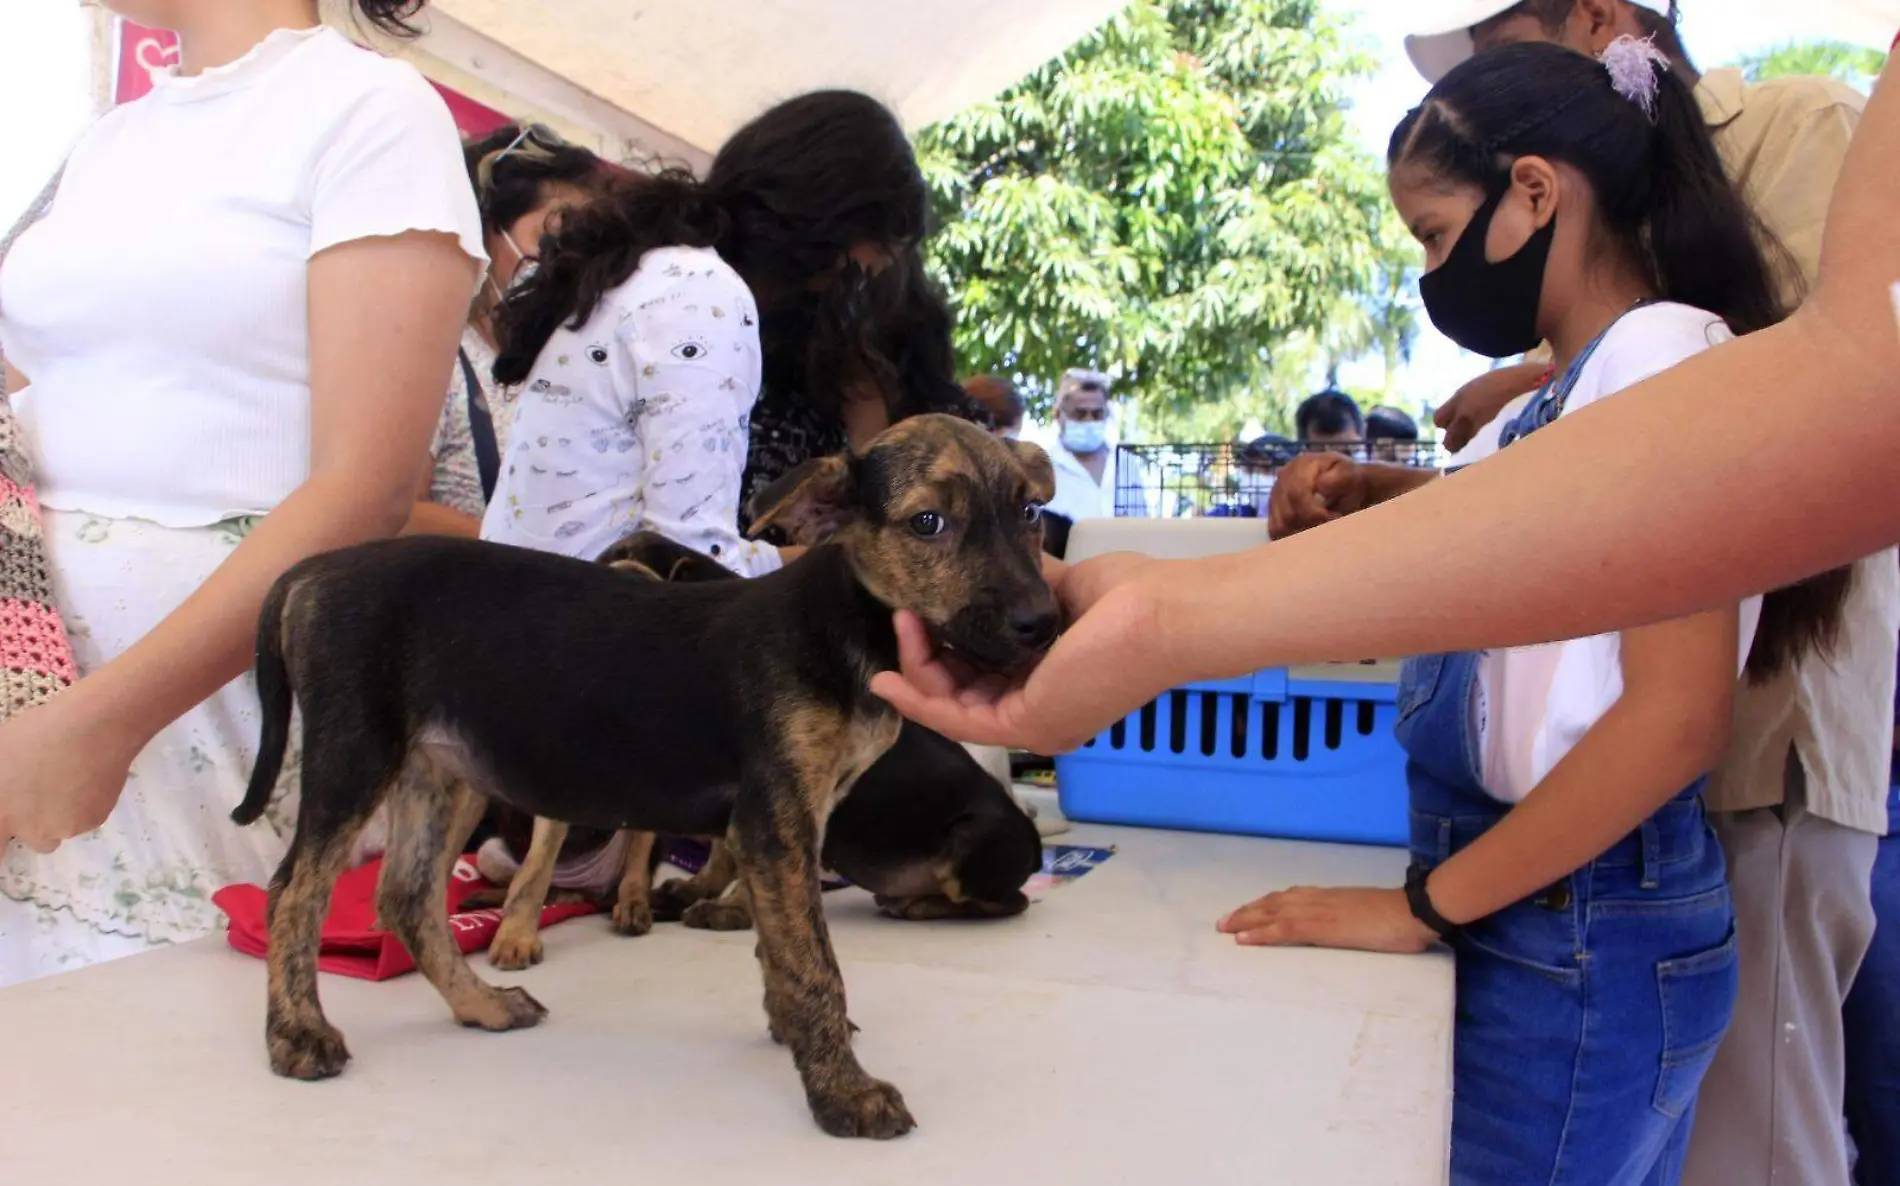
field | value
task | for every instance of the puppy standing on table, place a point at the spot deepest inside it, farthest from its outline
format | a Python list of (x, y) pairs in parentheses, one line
[(569, 691)]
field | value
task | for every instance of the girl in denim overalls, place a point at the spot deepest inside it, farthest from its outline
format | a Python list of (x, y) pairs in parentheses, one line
[(1557, 832)]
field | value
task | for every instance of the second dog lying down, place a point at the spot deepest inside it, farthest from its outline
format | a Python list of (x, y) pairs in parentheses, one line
[(926, 829)]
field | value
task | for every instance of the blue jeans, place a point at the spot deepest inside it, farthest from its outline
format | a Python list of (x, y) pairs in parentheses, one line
[(1871, 1020), (1588, 1014)]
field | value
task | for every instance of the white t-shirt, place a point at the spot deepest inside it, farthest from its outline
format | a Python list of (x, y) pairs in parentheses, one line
[(1535, 703), (160, 309), (639, 420), (1079, 496)]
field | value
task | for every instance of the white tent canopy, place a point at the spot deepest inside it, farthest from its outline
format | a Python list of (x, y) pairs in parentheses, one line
[(676, 77)]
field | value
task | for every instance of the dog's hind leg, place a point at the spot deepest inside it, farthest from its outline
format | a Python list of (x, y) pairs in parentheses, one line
[(424, 813), (517, 943), (301, 1041), (342, 784), (633, 904), (674, 897)]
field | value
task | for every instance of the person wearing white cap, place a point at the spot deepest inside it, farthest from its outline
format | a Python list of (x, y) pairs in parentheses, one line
[(1799, 803)]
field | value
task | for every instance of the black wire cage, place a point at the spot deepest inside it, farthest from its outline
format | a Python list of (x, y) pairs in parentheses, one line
[(1233, 481)]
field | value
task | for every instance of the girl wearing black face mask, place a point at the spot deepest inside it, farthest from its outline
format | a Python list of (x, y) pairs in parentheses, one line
[(1559, 842)]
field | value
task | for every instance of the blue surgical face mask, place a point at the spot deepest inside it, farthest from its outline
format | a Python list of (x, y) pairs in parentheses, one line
[(1084, 436)]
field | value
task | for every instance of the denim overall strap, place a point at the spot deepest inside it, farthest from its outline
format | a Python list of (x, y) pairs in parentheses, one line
[(1548, 403), (1443, 773)]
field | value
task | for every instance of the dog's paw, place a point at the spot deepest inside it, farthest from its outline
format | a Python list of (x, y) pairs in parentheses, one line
[(513, 950), (717, 915), (671, 898), (872, 1108), (632, 918), (307, 1052), (500, 1010)]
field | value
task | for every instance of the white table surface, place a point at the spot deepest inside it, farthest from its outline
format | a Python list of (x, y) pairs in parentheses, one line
[(1107, 1036)]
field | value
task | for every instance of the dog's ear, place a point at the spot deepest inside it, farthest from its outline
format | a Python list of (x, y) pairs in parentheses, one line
[(809, 504), (1037, 468)]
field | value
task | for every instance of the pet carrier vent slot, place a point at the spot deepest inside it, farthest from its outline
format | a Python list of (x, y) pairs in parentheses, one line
[(1269, 731), (1302, 728)]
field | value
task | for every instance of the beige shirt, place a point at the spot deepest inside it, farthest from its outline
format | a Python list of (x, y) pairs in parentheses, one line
[(1783, 142)]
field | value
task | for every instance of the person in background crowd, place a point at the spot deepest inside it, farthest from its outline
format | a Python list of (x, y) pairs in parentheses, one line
[(1330, 420), (522, 176), (222, 383), (1800, 803), (1001, 399), (1871, 1017), (1391, 435), (1256, 464), (638, 336), (1087, 485)]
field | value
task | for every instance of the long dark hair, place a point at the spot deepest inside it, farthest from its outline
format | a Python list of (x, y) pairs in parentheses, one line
[(1663, 199), (788, 196), (391, 16), (889, 333), (513, 168)]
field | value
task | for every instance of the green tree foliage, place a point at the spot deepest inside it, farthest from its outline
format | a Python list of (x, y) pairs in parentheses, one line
[(1177, 199), (1849, 63)]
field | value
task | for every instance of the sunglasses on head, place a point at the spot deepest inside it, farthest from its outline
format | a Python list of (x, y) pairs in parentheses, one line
[(536, 142)]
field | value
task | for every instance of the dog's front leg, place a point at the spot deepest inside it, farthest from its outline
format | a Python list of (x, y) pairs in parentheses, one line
[(517, 942), (633, 905), (776, 842)]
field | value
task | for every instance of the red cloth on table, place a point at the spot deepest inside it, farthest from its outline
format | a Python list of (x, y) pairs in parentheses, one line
[(351, 945)]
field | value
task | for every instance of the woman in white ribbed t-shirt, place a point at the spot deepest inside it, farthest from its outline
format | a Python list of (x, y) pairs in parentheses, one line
[(234, 322)]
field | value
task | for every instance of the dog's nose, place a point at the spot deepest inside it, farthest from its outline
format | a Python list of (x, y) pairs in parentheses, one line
[(1034, 628)]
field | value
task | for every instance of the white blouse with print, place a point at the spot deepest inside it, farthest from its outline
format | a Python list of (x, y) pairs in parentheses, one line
[(638, 420)]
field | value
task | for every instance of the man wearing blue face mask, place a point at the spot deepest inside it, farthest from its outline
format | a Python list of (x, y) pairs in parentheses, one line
[(1086, 482)]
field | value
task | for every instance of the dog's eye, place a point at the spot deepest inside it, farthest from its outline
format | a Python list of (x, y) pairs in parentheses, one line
[(927, 524), (1032, 511)]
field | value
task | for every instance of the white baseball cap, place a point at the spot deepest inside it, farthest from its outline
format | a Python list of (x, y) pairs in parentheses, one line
[(1446, 41)]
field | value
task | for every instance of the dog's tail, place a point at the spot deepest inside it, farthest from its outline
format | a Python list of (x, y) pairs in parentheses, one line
[(273, 693)]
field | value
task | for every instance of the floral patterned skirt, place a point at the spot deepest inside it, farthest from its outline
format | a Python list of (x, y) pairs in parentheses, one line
[(144, 879)]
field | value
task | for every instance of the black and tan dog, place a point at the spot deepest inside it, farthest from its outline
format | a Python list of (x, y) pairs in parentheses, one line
[(573, 692), (926, 829)]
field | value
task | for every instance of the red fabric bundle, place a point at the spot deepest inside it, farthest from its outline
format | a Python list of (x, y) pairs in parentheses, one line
[(352, 946)]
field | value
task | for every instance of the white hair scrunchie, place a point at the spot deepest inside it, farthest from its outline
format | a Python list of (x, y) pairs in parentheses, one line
[(1633, 64)]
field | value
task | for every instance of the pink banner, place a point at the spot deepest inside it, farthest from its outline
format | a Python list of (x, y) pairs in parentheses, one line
[(145, 52)]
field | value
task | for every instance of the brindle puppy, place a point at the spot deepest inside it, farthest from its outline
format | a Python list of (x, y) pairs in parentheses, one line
[(567, 690), (927, 830)]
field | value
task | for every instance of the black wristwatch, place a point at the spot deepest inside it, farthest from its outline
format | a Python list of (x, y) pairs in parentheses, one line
[(1420, 900)]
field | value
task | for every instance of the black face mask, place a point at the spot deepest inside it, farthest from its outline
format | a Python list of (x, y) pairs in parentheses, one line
[(1489, 308)]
